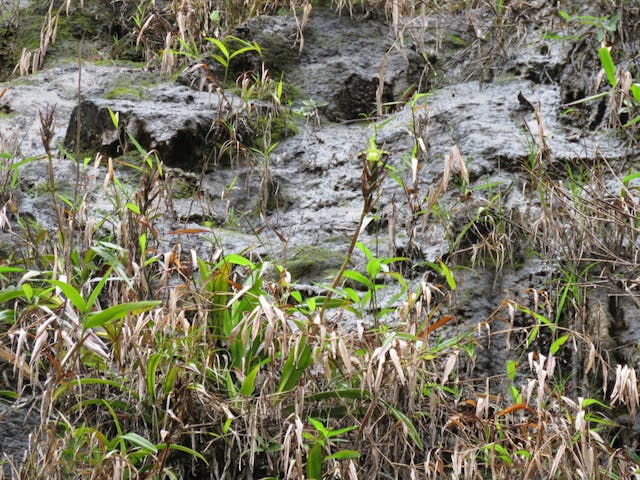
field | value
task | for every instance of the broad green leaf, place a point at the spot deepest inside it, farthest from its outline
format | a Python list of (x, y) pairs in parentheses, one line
[(249, 382), (11, 269), (10, 293), (351, 394), (319, 427), (118, 311), (607, 64), (447, 275), (358, 277), (221, 46), (374, 267), (133, 207), (351, 294), (314, 462), (139, 441), (362, 247), (344, 455), (28, 291), (340, 431), (236, 259), (152, 368), (591, 401), (93, 381), (297, 362), (555, 346), (222, 61), (635, 91), (511, 369), (72, 294)]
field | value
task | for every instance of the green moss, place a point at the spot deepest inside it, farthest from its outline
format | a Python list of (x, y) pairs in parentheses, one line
[(126, 92), (313, 262), (184, 186)]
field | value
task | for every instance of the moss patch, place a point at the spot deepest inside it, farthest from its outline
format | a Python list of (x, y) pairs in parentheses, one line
[(313, 262)]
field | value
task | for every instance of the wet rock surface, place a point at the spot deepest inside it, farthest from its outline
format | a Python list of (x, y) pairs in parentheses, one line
[(300, 204)]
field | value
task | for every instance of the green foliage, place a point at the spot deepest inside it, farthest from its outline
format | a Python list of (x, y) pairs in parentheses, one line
[(604, 26), (230, 48)]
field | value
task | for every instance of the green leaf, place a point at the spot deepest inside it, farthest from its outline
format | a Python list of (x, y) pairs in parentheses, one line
[(11, 293), (297, 362), (340, 431), (238, 260), (447, 275), (635, 91), (139, 441), (511, 369), (591, 401), (133, 207), (319, 427), (118, 311), (115, 118), (28, 291), (344, 455), (221, 46), (314, 462), (632, 122), (555, 346), (358, 277), (11, 269), (98, 289), (72, 294), (607, 64), (374, 267), (249, 382), (152, 368), (222, 61), (93, 381), (182, 448), (411, 429)]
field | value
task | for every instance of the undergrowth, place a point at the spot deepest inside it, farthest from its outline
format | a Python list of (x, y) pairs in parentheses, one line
[(151, 363)]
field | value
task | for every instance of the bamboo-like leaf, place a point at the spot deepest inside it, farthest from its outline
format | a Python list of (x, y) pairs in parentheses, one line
[(93, 297), (221, 46), (116, 312), (183, 449), (152, 368), (344, 455), (607, 64), (358, 277), (555, 346), (411, 429), (248, 385), (297, 362), (236, 259), (139, 441), (314, 462), (72, 294)]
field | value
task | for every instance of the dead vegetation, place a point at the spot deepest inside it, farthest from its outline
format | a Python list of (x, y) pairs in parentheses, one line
[(144, 363)]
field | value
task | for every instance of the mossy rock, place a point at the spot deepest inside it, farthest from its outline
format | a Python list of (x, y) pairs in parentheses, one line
[(313, 263)]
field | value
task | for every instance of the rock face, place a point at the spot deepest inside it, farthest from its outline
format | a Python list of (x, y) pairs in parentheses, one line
[(301, 199)]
